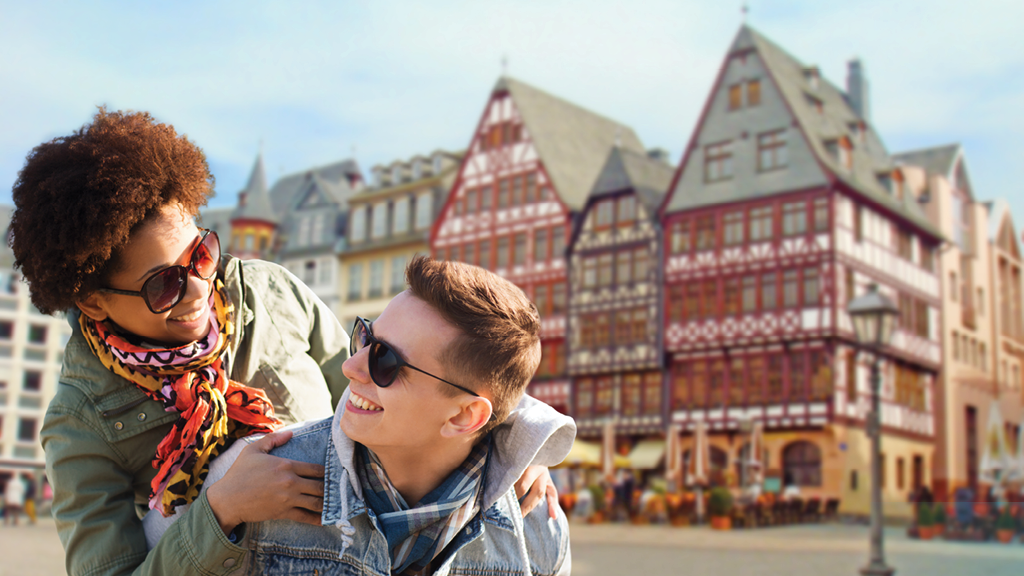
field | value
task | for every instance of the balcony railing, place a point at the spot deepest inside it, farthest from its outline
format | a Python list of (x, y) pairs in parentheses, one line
[(968, 317)]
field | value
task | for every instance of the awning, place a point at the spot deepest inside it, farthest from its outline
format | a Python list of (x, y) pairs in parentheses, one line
[(583, 453), (646, 454)]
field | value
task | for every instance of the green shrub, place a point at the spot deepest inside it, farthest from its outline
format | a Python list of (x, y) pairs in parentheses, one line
[(940, 514), (1005, 520), (925, 515), (597, 492), (720, 502)]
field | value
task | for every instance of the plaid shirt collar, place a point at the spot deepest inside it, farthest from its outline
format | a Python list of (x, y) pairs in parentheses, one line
[(417, 535)]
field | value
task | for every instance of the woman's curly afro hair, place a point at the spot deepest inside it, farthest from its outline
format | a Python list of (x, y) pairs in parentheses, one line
[(79, 197)]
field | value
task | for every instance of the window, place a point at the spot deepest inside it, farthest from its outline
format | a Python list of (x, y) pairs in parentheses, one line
[(355, 281), (675, 303), (851, 284), (681, 388), (794, 218), (602, 329), (605, 394), (396, 175), (680, 240), (775, 379), (812, 292), (540, 245), (699, 383), (424, 211), (851, 376), (26, 429), (753, 92), (801, 464), (980, 307), (472, 201), (903, 244), (401, 216), (584, 397), (6, 330), (922, 324), (755, 387), (716, 383), (731, 296), (379, 221), (632, 394), (558, 242), (639, 325), (820, 214), (37, 334), (899, 473), (709, 299), (769, 299), (691, 303), (771, 150), (518, 191), (32, 381), (640, 264), (326, 268), (821, 375), (749, 293), (735, 97), (732, 228), (790, 292), (652, 393), (503, 193), (590, 272), (624, 267), (531, 187), (797, 377), (718, 162), (927, 258), (953, 288), (519, 255), (376, 278), (736, 382), (858, 223), (309, 272), (761, 223), (540, 298), (706, 232), (485, 254), (358, 224), (558, 297), (623, 327), (604, 270), (469, 254), (486, 193), (502, 260), (603, 213), (626, 211), (398, 273)]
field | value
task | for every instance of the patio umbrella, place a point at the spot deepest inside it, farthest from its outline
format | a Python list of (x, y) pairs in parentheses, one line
[(608, 450), (697, 469), (673, 456), (1018, 469), (995, 458), (754, 464)]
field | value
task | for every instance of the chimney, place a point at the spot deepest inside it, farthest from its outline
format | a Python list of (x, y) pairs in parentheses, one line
[(857, 89)]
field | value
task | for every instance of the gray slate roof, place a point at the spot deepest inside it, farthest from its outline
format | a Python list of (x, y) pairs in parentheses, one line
[(573, 143), (218, 220), (257, 205), (284, 193), (837, 119), (936, 161), (626, 169)]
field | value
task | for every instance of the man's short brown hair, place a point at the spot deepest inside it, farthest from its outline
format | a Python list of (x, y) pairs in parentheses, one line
[(498, 349)]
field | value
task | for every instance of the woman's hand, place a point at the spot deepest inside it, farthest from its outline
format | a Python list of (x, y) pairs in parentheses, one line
[(536, 484), (259, 487)]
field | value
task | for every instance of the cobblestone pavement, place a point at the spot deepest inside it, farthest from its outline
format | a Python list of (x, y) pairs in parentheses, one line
[(614, 549)]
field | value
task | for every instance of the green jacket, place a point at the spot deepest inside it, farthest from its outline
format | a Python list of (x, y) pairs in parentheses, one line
[(100, 431)]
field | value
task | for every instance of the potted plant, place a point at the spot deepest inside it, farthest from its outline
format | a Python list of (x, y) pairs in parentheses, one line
[(925, 521), (719, 508), (597, 494), (1005, 526), (940, 519)]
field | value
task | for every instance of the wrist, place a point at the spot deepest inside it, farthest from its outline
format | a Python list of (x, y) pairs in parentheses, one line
[(221, 509)]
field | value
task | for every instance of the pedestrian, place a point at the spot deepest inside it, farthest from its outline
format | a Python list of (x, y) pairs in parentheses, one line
[(14, 500), (30, 498), (175, 351)]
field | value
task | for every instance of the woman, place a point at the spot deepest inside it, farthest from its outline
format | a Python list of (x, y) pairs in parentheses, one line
[(175, 352)]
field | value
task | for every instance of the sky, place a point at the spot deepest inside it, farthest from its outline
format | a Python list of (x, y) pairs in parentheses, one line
[(310, 83)]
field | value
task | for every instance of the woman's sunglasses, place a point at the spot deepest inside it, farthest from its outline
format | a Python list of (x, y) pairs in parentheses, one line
[(384, 362), (163, 290)]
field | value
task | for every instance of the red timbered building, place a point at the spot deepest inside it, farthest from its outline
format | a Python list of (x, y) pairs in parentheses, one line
[(784, 207), (615, 354), (532, 162)]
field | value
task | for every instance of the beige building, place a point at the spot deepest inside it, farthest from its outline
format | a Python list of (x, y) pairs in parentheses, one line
[(31, 353), (389, 223), (982, 325)]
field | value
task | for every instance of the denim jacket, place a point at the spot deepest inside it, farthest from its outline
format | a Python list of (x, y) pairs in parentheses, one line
[(497, 540)]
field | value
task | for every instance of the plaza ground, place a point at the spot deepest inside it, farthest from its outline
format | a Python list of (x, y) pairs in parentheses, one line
[(614, 549)]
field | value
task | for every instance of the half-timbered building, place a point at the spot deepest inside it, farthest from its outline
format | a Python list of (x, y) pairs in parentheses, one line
[(526, 174), (784, 207), (615, 355)]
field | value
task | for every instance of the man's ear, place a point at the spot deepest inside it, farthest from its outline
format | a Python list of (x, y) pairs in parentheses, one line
[(94, 307), (474, 414)]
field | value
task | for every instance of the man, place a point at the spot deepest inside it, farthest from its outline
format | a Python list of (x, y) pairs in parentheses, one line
[(418, 474), (14, 499)]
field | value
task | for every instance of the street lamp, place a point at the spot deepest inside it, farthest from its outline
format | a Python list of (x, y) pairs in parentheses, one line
[(874, 318)]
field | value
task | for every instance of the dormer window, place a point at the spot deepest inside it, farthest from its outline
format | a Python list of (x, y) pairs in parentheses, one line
[(842, 151), (417, 169), (813, 77), (815, 103), (859, 130), (378, 177), (897, 184), (437, 163), (396, 175)]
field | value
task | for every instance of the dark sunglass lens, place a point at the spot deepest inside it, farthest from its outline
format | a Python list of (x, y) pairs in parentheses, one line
[(207, 256), (358, 340), (383, 365), (164, 290)]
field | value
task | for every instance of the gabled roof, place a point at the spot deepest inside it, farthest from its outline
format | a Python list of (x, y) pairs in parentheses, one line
[(999, 216), (284, 192), (835, 121), (572, 142), (936, 161), (256, 202), (625, 169)]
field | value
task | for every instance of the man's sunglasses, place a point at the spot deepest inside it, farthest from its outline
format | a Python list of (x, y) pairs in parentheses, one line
[(384, 362), (163, 290)]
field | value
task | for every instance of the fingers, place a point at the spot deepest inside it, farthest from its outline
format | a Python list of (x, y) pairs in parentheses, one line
[(310, 487), (527, 480), (311, 503), (307, 470), (304, 516), (533, 498), (552, 494), (272, 440)]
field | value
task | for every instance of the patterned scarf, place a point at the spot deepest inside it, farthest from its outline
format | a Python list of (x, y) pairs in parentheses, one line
[(213, 410), (417, 535)]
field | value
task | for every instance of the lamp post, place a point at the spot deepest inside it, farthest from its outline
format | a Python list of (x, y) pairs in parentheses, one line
[(874, 318)]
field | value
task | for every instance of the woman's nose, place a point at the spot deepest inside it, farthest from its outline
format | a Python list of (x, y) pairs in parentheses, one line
[(357, 367), (197, 287)]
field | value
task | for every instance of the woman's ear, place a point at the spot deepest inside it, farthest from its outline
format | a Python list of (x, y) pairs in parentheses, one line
[(93, 306), (474, 415)]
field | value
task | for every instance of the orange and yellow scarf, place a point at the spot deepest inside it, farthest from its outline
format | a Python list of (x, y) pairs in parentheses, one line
[(213, 409)]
